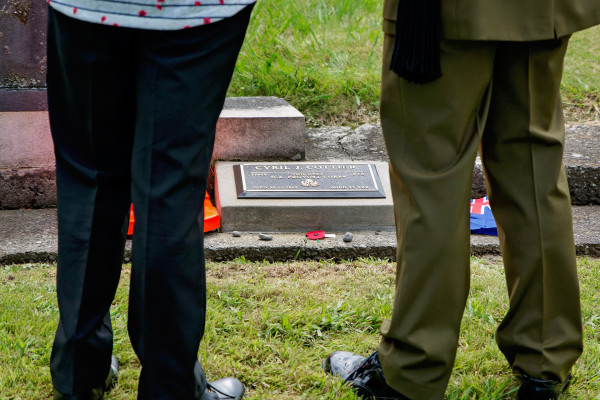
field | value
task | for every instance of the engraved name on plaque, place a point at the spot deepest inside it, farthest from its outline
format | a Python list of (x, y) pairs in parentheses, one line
[(307, 180)]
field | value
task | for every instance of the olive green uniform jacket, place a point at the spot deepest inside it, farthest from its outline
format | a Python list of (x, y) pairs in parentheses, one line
[(509, 20)]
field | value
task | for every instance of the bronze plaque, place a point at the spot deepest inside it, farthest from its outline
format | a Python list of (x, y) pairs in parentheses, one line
[(307, 180)]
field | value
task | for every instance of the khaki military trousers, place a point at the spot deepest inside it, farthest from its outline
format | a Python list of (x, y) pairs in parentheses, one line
[(501, 98)]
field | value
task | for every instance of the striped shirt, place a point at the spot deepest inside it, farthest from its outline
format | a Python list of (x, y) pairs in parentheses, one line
[(150, 14)]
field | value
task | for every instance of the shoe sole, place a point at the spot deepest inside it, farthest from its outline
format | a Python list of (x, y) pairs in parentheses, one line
[(366, 394)]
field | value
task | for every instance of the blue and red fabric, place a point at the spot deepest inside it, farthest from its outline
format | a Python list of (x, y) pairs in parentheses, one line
[(482, 219)]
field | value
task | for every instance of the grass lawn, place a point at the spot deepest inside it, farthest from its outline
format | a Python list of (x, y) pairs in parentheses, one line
[(324, 57), (272, 324)]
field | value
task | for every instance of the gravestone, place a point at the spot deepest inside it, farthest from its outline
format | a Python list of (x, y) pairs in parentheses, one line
[(303, 197)]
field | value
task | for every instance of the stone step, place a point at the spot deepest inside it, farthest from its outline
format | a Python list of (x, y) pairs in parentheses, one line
[(249, 128)]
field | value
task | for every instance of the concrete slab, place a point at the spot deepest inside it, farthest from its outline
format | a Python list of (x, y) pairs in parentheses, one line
[(25, 140), (27, 177), (259, 128), (344, 143), (582, 163), (28, 236), (31, 236), (23, 100), (364, 143), (581, 156), (27, 188), (301, 215)]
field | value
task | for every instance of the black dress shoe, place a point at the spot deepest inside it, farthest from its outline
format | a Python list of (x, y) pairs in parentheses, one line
[(342, 363), (364, 374), (540, 389), (96, 393), (224, 389)]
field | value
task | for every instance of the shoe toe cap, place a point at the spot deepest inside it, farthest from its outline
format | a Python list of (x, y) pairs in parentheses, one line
[(342, 363), (227, 388)]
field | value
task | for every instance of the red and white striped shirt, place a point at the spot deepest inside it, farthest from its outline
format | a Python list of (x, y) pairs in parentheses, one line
[(150, 14)]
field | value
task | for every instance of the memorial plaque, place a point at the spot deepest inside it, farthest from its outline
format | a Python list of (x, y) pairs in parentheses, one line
[(307, 180)]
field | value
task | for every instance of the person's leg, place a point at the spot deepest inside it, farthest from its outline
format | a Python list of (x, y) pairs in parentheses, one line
[(432, 133), (522, 150), (91, 111), (182, 79)]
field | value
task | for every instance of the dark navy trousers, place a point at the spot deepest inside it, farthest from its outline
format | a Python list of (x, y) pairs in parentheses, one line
[(133, 115)]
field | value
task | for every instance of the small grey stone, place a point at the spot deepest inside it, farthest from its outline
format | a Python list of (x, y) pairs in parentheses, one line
[(236, 234), (348, 236), (297, 157), (263, 236)]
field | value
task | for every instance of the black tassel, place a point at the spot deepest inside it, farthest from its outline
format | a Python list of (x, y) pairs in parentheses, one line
[(416, 54)]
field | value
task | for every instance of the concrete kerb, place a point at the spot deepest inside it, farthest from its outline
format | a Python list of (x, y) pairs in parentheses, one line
[(31, 236)]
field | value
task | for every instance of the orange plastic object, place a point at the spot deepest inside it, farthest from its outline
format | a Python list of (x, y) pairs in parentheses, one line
[(212, 219), (131, 221)]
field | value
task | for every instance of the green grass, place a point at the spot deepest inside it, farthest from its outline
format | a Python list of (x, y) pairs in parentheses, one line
[(581, 79), (324, 57), (273, 324)]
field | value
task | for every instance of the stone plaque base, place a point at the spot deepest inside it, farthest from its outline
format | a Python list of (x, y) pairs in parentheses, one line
[(301, 214)]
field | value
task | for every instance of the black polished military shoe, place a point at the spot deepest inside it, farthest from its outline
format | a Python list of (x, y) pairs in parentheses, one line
[(364, 374), (540, 389), (224, 389), (342, 363), (96, 393)]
